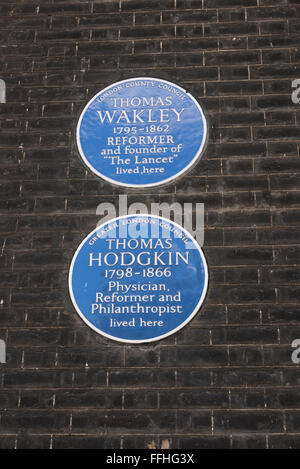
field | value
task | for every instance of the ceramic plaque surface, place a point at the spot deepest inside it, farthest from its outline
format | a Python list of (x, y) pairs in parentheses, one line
[(141, 132)]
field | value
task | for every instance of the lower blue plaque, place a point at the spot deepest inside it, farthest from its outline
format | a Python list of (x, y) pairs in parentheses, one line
[(138, 278)]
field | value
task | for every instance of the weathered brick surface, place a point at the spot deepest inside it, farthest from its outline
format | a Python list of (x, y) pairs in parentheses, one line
[(226, 380)]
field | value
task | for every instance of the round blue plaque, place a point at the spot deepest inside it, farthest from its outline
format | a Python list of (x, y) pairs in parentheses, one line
[(138, 278), (141, 132)]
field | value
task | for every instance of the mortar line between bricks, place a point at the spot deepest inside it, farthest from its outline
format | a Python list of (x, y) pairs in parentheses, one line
[(78, 433), (153, 410), (163, 368), (129, 390), (261, 389), (150, 410)]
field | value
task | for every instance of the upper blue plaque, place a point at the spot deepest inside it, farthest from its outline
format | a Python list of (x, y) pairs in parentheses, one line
[(141, 132), (138, 278)]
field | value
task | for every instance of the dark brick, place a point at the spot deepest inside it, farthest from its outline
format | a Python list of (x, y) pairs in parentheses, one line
[(232, 15), (228, 3), (8, 442), (249, 442), (203, 16), (147, 31), (284, 442), (231, 29), (248, 399), (249, 335), (204, 442), (196, 356), (36, 400), (34, 442), (209, 399), (37, 421), (232, 58), (253, 421), (147, 4), (85, 399), (189, 45), (88, 442), (246, 356), (195, 421), (233, 88)]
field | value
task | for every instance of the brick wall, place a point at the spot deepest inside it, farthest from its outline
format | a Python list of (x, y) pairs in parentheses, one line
[(227, 380)]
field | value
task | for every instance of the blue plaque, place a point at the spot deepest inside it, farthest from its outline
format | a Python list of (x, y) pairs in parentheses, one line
[(141, 132), (138, 278)]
